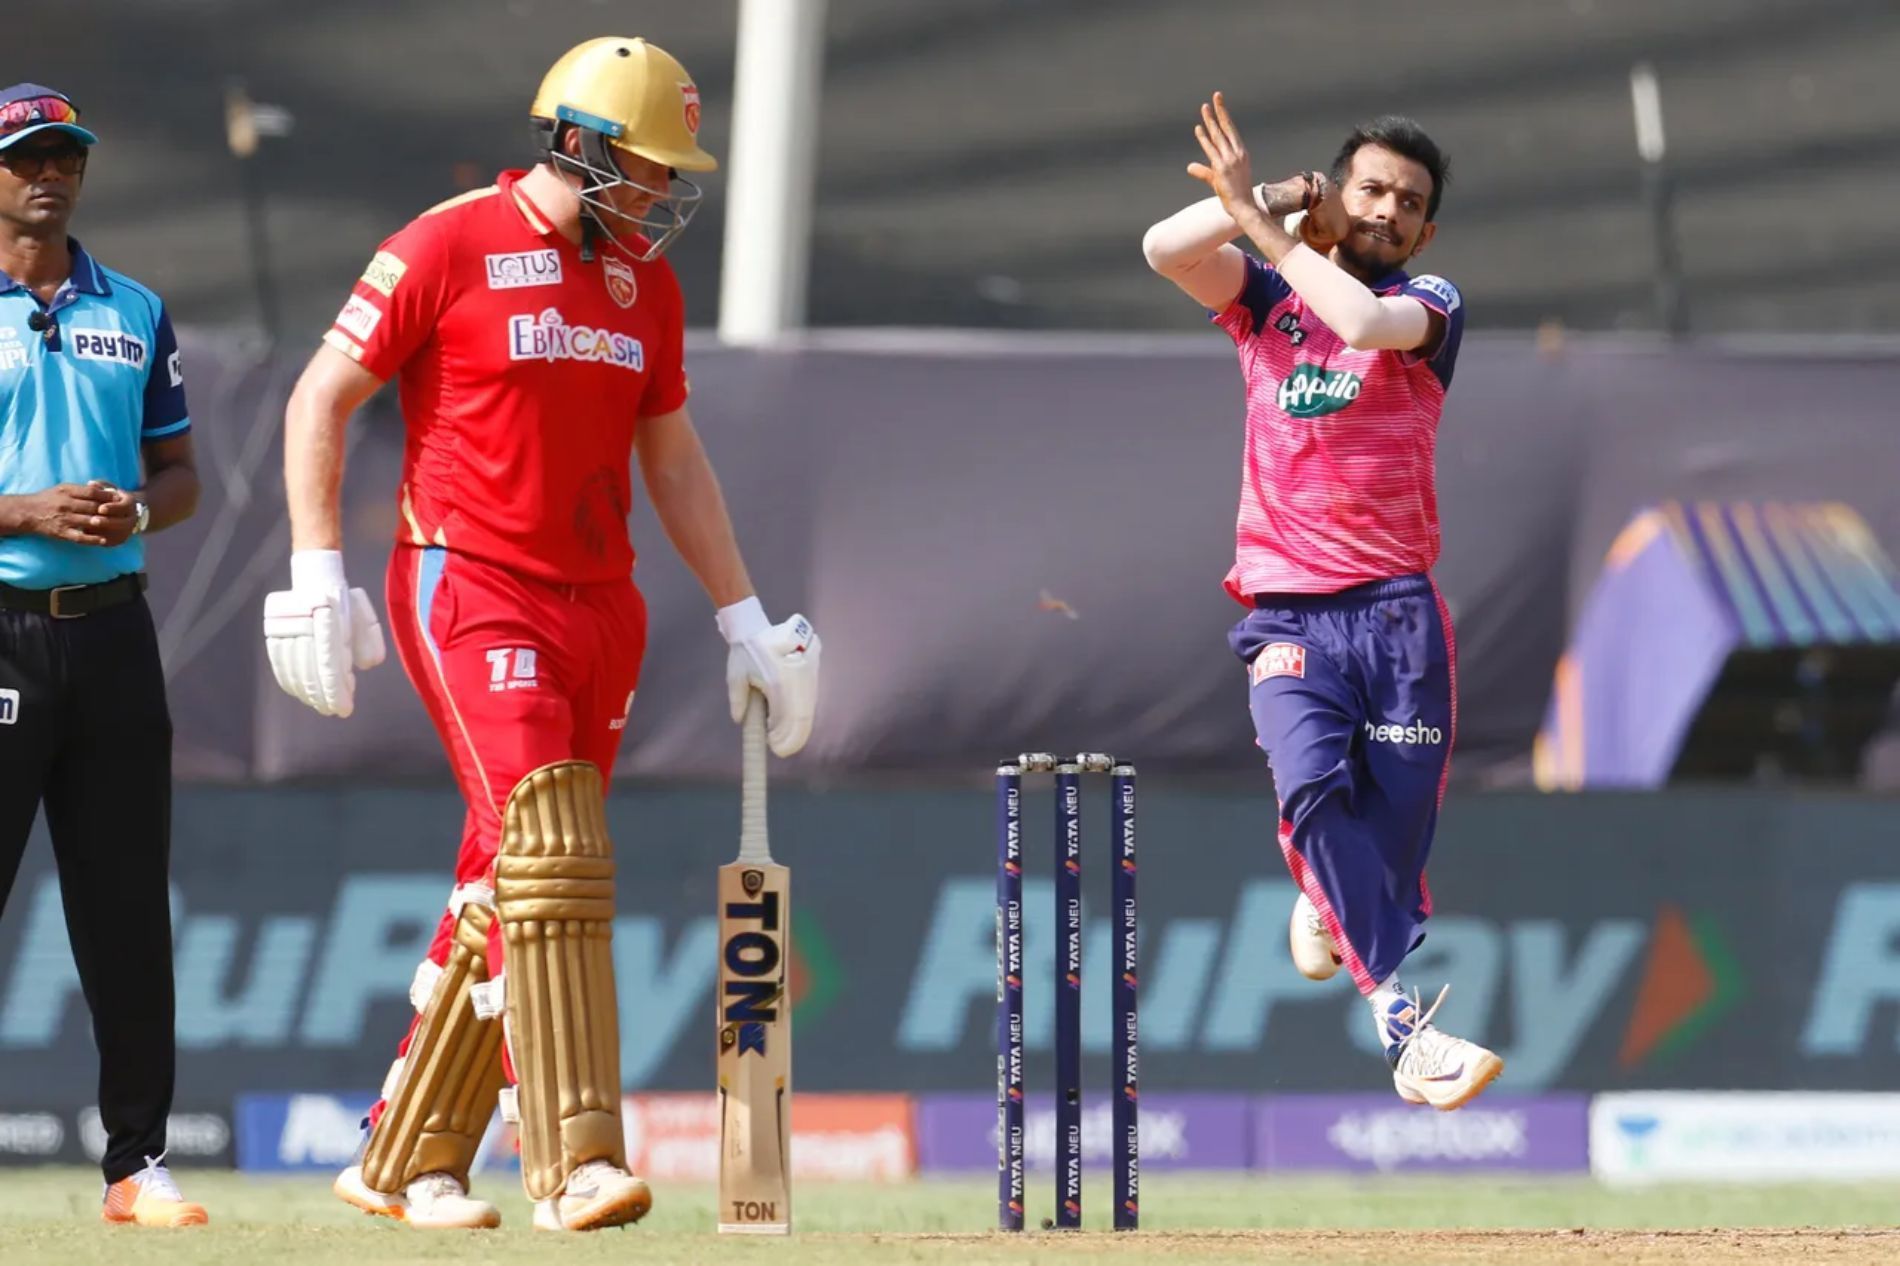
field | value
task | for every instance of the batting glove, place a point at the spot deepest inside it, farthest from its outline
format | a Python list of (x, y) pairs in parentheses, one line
[(319, 632), (780, 661)]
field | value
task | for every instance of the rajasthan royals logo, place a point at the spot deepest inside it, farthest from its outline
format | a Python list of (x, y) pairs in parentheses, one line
[(620, 284), (691, 96)]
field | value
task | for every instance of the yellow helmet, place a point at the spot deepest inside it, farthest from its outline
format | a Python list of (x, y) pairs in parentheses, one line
[(626, 94), (635, 93)]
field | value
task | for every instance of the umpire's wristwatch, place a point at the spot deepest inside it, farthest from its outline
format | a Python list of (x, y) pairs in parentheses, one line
[(143, 520)]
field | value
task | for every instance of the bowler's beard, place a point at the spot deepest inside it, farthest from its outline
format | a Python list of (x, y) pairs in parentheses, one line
[(1363, 265)]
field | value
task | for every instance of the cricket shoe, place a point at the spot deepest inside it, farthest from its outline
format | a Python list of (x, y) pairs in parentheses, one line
[(151, 1198), (598, 1194), (1314, 953), (1429, 1065), (432, 1202)]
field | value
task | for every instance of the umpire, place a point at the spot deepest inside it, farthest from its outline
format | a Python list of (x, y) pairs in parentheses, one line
[(95, 451)]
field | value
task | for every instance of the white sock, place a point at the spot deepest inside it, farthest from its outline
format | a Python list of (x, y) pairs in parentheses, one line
[(1381, 999)]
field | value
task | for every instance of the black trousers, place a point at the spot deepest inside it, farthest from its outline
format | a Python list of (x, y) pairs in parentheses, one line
[(90, 737)]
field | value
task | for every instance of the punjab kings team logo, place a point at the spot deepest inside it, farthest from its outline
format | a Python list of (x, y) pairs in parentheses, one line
[(620, 283), (690, 95)]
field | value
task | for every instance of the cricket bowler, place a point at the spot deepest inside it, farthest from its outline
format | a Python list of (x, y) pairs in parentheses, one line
[(1350, 658), (536, 334)]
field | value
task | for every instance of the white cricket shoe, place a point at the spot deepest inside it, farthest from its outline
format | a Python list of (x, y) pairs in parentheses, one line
[(432, 1202), (1314, 953), (1431, 1066), (598, 1194)]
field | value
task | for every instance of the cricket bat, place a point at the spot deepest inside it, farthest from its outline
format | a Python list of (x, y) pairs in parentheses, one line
[(755, 1015)]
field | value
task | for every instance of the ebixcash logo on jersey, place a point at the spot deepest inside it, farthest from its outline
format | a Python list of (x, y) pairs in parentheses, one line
[(1311, 392), (547, 336)]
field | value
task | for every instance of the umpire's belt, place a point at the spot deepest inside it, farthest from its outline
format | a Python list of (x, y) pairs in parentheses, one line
[(69, 601)]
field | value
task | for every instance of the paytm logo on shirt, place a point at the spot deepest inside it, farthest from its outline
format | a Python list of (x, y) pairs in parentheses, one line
[(110, 345), (549, 337), (1413, 735), (359, 317)]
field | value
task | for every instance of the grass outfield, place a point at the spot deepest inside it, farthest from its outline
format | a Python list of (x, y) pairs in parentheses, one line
[(50, 1215)]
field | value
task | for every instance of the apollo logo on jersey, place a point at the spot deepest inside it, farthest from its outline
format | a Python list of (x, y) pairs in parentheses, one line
[(547, 336), (1311, 392), (115, 346)]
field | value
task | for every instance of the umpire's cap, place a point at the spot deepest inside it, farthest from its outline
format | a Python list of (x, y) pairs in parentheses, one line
[(29, 108)]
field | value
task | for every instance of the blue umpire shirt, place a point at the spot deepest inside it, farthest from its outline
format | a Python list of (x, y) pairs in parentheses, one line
[(77, 399)]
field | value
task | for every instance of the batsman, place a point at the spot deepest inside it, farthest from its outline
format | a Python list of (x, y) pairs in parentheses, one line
[(536, 334)]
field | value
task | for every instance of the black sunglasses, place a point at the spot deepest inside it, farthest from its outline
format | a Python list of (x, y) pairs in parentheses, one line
[(67, 160)]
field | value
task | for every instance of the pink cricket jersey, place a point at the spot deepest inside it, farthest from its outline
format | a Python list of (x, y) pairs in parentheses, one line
[(1337, 486)]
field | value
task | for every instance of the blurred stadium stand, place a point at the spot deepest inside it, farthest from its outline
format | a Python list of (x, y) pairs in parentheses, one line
[(993, 162)]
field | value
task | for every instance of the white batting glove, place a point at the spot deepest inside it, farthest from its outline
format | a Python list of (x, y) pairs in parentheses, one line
[(319, 632), (780, 661)]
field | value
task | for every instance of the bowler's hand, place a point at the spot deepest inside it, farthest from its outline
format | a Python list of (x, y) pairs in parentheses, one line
[(1327, 224), (1228, 170), (1285, 197)]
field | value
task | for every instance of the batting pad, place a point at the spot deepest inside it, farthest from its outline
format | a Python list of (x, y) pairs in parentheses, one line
[(554, 885), (450, 1078)]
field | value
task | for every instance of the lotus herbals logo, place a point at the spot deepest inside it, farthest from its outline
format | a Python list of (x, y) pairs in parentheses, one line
[(1311, 392)]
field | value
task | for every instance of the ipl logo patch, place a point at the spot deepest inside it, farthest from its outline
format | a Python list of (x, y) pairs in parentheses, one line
[(1439, 289), (620, 283), (1278, 659), (690, 95)]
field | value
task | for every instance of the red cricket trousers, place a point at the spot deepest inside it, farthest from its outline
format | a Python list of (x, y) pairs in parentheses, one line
[(516, 673)]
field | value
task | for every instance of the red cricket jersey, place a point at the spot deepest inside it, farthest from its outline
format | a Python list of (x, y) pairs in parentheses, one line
[(523, 374), (1337, 487)]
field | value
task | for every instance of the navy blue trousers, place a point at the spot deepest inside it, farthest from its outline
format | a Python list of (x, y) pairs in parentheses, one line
[(1353, 699)]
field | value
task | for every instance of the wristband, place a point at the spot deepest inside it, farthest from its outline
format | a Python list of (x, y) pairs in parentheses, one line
[(319, 569), (742, 620)]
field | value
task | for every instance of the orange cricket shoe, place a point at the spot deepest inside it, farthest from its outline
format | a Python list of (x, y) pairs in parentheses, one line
[(151, 1198)]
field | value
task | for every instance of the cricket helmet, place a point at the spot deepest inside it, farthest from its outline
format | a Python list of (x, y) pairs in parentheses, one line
[(624, 93)]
